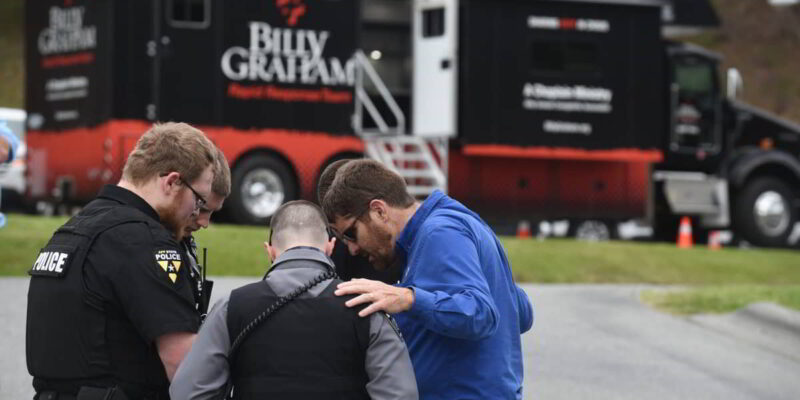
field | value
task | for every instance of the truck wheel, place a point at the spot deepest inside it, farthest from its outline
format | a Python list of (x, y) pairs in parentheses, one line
[(260, 184), (592, 230), (764, 212)]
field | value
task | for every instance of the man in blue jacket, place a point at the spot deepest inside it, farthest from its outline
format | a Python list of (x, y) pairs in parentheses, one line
[(457, 304)]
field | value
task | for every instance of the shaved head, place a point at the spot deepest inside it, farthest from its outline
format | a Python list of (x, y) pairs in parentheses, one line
[(298, 223)]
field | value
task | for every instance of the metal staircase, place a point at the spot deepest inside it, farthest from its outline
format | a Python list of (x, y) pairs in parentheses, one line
[(422, 162)]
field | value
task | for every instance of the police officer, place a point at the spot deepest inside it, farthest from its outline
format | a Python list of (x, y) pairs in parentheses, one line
[(220, 189), (110, 306), (313, 347)]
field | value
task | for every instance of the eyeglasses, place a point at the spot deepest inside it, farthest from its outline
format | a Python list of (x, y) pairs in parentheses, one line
[(350, 233), (199, 201)]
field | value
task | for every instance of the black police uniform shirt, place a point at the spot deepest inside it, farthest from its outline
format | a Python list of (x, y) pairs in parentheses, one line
[(134, 288), (350, 267), (95, 323), (142, 276)]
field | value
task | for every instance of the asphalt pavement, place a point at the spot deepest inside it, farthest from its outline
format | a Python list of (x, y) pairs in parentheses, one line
[(600, 342), (588, 342)]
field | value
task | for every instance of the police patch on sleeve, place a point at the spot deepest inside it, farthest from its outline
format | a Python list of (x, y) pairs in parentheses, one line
[(170, 261), (53, 261)]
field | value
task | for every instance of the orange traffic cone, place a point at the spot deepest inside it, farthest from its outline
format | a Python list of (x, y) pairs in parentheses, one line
[(714, 242), (523, 229), (685, 234)]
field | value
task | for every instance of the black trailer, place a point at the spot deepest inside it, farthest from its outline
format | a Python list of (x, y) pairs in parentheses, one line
[(271, 82), (560, 74), (538, 109), (212, 62), (582, 109)]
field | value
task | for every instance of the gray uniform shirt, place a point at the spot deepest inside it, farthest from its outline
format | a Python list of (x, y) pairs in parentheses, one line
[(205, 370)]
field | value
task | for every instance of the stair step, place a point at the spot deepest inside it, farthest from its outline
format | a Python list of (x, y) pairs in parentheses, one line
[(411, 157), (415, 173)]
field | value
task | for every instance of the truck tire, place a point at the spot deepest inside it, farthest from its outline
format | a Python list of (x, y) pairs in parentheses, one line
[(592, 230), (764, 212), (260, 184)]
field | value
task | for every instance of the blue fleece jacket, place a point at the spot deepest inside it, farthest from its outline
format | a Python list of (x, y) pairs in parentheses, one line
[(463, 330)]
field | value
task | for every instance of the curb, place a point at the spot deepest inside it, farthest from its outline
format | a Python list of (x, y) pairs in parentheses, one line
[(768, 326), (773, 315)]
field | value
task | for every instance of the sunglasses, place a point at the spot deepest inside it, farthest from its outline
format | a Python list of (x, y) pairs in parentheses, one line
[(350, 234)]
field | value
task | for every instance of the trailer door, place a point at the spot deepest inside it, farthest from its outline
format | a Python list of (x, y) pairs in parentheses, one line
[(435, 34), (185, 63)]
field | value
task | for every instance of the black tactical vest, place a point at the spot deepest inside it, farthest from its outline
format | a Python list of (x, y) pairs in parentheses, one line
[(67, 324), (312, 348)]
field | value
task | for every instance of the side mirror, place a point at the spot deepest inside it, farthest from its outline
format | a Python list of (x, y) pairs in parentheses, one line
[(735, 83)]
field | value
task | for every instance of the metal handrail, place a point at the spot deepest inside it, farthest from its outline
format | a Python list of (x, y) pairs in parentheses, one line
[(362, 98), (362, 95)]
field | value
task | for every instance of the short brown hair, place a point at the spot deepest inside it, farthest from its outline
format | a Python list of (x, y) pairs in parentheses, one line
[(221, 186), (360, 181), (169, 147), (326, 178)]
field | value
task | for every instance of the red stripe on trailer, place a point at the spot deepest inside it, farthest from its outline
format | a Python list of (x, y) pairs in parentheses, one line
[(94, 156), (508, 188), (494, 150)]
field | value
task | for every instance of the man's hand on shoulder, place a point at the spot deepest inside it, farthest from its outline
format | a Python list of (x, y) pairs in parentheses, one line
[(387, 298)]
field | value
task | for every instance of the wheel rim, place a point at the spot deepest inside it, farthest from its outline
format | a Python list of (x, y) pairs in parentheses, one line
[(262, 192), (771, 213), (594, 231)]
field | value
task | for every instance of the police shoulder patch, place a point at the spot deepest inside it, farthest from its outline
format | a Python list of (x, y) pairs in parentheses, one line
[(393, 324), (53, 261), (170, 261)]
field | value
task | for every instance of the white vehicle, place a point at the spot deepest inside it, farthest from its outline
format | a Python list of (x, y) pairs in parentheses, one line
[(12, 175)]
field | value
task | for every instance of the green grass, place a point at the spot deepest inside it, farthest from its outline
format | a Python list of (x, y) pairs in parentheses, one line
[(721, 299), (12, 76), (232, 250), (238, 250), (21, 240), (720, 281), (568, 261)]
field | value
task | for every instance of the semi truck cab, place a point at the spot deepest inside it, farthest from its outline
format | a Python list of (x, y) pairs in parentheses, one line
[(726, 163)]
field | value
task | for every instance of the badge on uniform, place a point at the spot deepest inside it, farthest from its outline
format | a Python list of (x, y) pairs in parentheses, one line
[(170, 261)]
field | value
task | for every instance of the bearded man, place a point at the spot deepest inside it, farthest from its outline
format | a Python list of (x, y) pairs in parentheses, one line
[(457, 305), (110, 306)]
